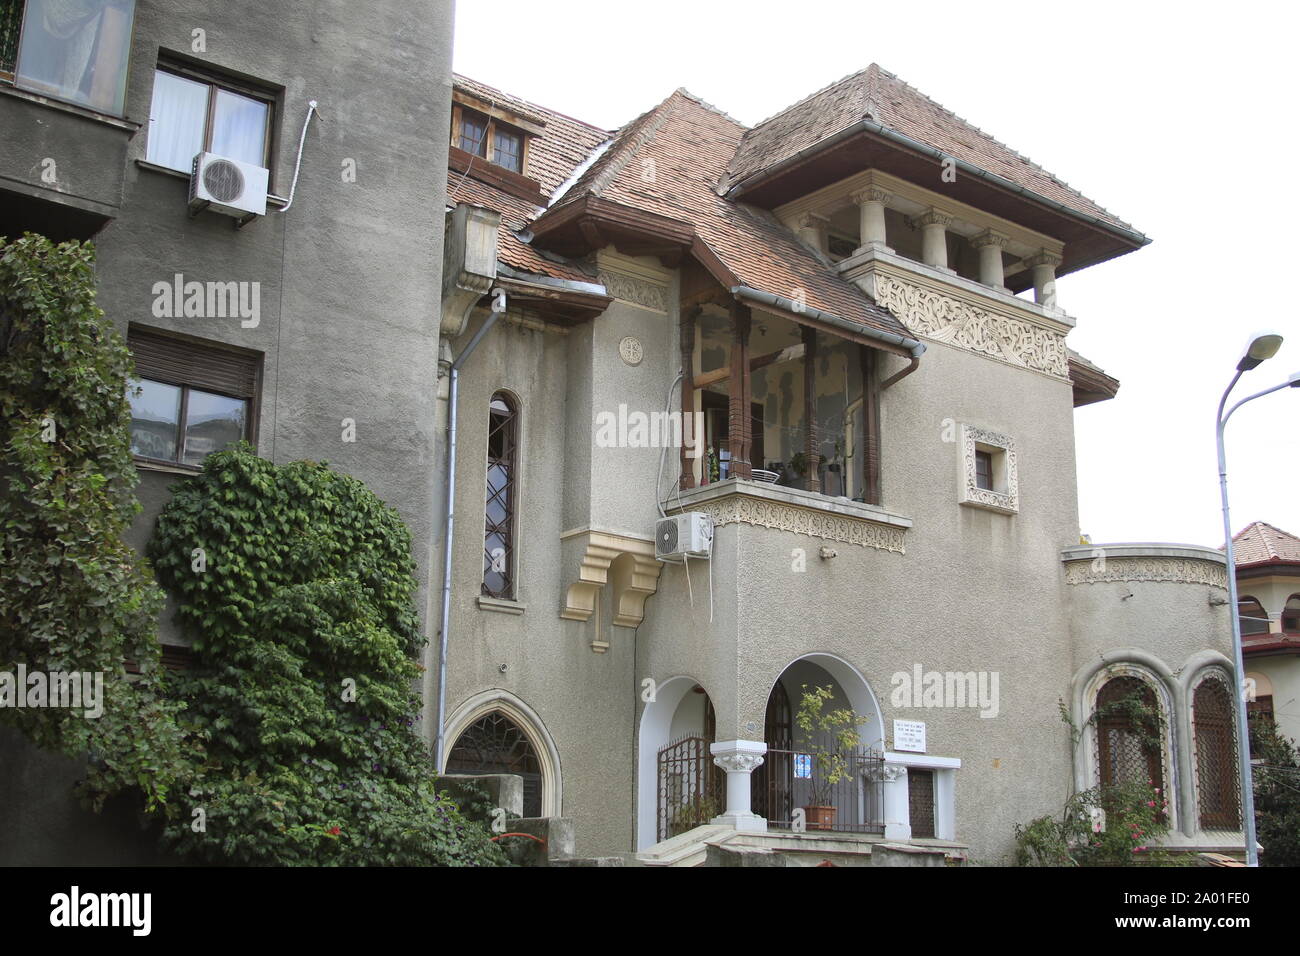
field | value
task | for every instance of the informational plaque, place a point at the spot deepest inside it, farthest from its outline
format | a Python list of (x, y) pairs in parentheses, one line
[(909, 736)]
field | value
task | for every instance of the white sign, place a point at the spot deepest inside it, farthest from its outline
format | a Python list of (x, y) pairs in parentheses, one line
[(909, 736)]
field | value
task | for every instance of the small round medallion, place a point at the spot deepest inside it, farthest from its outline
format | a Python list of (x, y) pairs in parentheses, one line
[(630, 350)]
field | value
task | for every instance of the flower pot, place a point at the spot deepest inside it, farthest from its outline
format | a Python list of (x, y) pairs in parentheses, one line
[(819, 818)]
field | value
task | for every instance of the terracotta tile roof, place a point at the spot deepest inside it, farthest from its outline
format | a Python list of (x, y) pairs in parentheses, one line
[(1261, 543), (668, 162), (880, 96)]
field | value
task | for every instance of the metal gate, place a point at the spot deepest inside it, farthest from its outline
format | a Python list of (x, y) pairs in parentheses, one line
[(691, 788)]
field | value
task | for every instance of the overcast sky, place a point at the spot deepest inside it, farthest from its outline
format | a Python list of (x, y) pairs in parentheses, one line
[(1180, 120)]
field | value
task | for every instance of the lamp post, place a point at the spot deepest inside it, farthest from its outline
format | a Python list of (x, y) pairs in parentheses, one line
[(1263, 346)]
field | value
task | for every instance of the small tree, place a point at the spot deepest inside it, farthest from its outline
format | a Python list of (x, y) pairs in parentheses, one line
[(1277, 794), (830, 761), (76, 598)]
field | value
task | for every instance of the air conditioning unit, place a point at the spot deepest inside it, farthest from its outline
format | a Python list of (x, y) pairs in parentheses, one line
[(684, 535), (227, 186)]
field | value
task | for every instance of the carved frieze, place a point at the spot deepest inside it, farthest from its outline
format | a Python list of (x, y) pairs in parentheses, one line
[(762, 513), (639, 291), (1174, 570)]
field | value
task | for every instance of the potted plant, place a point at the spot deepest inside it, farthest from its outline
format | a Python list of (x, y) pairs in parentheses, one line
[(830, 763)]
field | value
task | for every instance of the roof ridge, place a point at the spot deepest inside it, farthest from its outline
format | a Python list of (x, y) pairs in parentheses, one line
[(652, 121), (519, 99), (848, 76), (709, 106), (993, 139)]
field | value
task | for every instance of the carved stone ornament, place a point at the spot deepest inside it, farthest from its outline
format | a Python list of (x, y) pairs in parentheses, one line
[(641, 292), (966, 325), (761, 513), (1006, 501), (889, 773), (630, 350), (738, 762), (1172, 570)]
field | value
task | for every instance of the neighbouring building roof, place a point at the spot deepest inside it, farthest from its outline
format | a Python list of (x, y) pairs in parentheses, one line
[(668, 162), (881, 97), (1261, 543)]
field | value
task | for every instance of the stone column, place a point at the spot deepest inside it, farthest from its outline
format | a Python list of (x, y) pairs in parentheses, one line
[(871, 219), (812, 231), (739, 758), (1044, 267), (897, 809), (990, 245), (934, 237)]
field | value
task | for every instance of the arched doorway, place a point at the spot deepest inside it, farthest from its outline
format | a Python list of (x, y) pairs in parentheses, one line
[(785, 780), (678, 784)]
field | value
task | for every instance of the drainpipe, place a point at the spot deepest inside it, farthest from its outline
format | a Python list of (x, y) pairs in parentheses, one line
[(498, 309)]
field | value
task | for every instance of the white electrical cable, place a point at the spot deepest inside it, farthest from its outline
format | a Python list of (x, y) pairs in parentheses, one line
[(311, 109), (663, 451)]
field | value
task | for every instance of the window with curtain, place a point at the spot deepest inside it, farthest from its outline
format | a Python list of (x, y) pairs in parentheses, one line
[(76, 50), (191, 115), (499, 538)]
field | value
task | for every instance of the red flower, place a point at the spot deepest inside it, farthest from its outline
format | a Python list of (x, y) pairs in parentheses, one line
[(334, 831)]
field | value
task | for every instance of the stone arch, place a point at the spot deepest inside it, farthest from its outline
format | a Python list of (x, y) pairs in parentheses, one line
[(526, 719), (659, 719)]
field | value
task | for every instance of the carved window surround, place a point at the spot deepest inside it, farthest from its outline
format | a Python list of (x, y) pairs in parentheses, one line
[(947, 308), (628, 564), (737, 501), (1166, 563), (1004, 497)]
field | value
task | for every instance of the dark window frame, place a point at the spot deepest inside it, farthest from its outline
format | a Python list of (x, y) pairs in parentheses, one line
[(152, 370), (507, 496), (984, 477), (217, 81), (488, 143)]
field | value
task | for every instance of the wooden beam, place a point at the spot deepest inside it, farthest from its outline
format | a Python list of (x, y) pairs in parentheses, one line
[(788, 354), (687, 335), (812, 444), (870, 361), (739, 421)]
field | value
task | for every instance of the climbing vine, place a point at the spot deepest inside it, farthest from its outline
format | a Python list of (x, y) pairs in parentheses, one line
[(78, 602), (296, 585)]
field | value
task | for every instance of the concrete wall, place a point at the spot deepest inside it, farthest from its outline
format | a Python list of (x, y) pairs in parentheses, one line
[(350, 276)]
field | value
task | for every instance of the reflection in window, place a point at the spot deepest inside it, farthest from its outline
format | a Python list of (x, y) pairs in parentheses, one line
[(507, 149), (77, 50), (180, 424), (498, 539), (179, 127), (473, 135)]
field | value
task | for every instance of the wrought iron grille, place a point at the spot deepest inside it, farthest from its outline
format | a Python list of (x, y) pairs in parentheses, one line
[(496, 744), (857, 799), (11, 21), (691, 787), (1129, 749), (499, 534), (1216, 756), (920, 802)]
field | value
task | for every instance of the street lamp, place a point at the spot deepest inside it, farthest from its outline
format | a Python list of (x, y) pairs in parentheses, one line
[(1261, 347)]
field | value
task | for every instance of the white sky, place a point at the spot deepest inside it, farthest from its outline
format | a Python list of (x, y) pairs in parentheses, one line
[(1180, 120)]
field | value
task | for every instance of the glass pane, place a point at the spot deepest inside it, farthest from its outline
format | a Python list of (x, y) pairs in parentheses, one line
[(505, 149), (473, 135), (211, 423), (239, 128), (155, 417), (176, 121), (77, 50)]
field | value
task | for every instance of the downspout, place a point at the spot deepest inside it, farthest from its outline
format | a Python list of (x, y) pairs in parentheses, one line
[(498, 309)]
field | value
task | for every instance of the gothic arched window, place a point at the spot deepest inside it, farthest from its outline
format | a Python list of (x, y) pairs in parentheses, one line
[(499, 527), (496, 744)]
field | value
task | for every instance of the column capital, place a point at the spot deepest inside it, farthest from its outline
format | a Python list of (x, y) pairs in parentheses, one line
[(813, 220), (1044, 258), (738, 756), (990, 238), (934, 216), (871, 194)]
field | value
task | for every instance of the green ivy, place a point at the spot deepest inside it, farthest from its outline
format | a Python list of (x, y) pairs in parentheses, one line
[(297, 587), (76, 598), (1277, 793)]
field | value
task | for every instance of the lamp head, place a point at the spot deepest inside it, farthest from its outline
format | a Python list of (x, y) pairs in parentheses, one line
[(1262, 346)]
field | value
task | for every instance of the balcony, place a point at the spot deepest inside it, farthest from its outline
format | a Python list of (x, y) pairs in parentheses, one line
[(62, 90)]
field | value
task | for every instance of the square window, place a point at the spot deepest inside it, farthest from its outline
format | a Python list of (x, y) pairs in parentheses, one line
[(191, 115), (507, 149), (77, 52), (988, 470), (189, 399), (473, 134)]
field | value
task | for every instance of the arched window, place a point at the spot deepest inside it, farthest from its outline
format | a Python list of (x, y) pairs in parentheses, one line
[(1130, 733), (1291, 614), (1216, 756), (499, 527), (495, 744), (1253, 618)]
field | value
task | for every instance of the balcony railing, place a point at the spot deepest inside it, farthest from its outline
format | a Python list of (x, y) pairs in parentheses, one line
[(785, 783), (11, 22)]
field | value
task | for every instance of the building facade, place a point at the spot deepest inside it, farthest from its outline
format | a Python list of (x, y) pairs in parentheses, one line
[(1268, 580), (310, 329)]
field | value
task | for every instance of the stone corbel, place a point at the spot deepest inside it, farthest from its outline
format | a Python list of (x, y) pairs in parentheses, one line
[(469, 264), (634, 580)]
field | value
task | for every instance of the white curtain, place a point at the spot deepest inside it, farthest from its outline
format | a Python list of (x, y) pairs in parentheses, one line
[(176, 121), (239, 129)]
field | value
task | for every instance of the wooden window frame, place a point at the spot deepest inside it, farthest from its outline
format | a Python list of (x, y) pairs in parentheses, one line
[(509, 532), (489, 137), (216, 82), (147, 371)]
